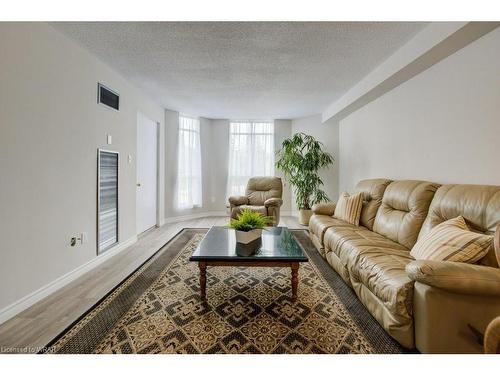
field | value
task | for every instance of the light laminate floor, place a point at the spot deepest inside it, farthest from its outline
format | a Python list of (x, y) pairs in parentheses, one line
[(39, 324)]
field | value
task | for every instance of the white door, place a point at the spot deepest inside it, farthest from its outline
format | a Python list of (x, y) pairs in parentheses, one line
[(146, 173)]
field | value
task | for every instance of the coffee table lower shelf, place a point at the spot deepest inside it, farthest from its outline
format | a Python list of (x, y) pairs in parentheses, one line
[(218, 263)]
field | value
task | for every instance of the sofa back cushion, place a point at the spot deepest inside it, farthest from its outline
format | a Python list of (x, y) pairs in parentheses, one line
[(259, 189), (479, 205), (373, 191), (403, 210)]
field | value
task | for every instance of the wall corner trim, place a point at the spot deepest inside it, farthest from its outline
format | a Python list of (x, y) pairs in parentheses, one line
[(434, 43)]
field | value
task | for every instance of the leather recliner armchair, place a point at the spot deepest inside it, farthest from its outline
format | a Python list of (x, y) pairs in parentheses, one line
[(263, 195)]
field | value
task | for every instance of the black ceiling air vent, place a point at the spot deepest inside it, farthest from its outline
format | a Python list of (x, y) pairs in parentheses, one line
[(108, 97)]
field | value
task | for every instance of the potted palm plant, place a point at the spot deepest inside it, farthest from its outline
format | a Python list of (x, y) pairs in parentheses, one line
[(248, 226), (300, 159)]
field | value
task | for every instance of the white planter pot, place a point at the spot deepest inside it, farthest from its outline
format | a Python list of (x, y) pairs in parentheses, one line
[(304, 216), (247, 237)]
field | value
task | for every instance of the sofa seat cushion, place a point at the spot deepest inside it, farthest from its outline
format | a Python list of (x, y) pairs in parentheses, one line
[(375, 261), (239, 209), (382, 271), (348, 241), (318, 224)]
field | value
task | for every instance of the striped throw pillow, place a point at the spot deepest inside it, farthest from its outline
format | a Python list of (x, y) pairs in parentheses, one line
[(452, 241), (348, 208)]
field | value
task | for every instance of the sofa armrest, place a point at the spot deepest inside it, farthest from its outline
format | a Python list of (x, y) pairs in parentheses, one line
[(238, 200), (456, 277), (324, 208), (273, 202)]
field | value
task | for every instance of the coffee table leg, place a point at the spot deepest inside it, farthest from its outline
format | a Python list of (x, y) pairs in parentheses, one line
[(295, 280), (203, 279)]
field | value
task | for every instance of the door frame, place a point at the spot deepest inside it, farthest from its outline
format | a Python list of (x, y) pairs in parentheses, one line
[(157, 174)]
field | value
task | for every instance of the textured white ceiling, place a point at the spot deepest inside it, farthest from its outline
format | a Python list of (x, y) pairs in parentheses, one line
[(251, 70)]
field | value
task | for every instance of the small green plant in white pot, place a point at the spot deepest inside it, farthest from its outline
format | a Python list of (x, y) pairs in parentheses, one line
[(300, 158), (248, 226)]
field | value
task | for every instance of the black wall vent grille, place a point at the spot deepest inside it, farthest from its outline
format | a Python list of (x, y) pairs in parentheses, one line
[(108, 97)]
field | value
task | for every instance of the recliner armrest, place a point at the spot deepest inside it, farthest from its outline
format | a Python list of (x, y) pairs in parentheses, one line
[(238, 200), (324, 208), (273, 202), (456, 277)]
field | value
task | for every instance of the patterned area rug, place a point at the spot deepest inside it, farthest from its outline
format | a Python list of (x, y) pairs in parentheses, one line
[(157, 309)]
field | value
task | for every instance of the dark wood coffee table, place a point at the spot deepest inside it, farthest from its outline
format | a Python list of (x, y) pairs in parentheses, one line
[(278, 248)]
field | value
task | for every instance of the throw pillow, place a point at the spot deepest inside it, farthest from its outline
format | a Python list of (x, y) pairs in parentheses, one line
[(349, 207), (453, 241)]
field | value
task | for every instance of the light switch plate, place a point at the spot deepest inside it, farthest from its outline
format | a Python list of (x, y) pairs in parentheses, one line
[(129, 158), (109, 139)]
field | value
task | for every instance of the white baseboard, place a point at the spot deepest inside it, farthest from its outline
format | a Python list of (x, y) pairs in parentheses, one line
[(15, 308), (176, 219)]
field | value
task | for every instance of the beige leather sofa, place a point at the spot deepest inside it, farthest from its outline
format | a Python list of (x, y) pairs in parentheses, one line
[(424, 304), (263, 195)]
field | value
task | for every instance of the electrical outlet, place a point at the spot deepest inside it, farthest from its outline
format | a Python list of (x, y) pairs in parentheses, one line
[(79, 239)]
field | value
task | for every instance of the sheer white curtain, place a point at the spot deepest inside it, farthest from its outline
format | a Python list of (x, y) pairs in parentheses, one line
[(251, 153), (188, 164)]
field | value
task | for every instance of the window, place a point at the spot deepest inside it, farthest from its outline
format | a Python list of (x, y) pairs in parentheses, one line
[(189, 164), (251, 153)]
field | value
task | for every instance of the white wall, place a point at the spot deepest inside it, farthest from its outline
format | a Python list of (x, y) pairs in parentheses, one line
[(215, 173), (50, 129), (442, 125), (283, 130), (327, 133)]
